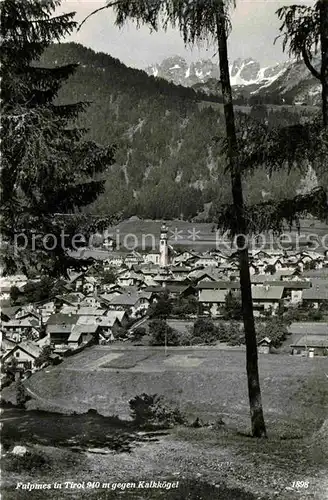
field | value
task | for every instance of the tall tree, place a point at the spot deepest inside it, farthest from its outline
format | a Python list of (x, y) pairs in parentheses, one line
[(47, 166), (304, 29), (201, 20)]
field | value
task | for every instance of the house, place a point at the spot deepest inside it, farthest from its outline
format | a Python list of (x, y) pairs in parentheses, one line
[(6, 345), (259, 279), (266, 298), (264, 346), (25, 353), (129, 277), (152, 258), (59, 327), (76, 280), (315, 343), (212, 300), (45, 309), (284, 274), (113, 259), (90, 311), (315, 296), (183, 257), (176, 290), (209, 274), (217, 285), (89, 285), (204, 261), (8, 313), (132, 302), (19, 329), (90, 300), (293, 290), (309, 335), (180, 271), (132, 259), (82, 333)]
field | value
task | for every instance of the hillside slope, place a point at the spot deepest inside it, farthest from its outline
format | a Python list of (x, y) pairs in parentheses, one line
[(168, 161)]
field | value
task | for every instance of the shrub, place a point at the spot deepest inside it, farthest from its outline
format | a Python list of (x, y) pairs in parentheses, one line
[(31, 461), (152, 409), (206, 330), (185, 338), (159, 331), (21, 395), (275, 330), (139, 332), (196, 340)]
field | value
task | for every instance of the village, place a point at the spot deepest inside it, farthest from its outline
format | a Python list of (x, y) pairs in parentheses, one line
[(115, 297)]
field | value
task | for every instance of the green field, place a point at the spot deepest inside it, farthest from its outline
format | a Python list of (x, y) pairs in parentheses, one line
[(204, 237), (204, 382)]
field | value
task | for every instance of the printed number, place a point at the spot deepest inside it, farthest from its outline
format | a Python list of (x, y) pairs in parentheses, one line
[(300, 484)]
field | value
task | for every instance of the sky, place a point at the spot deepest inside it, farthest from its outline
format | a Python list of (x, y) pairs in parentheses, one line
[(254, 28)]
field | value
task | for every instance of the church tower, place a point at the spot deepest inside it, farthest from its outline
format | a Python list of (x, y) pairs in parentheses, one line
[(163, 247)]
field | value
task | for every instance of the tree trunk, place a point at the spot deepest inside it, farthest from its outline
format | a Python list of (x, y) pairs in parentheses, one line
[(323, 9), (254, 391)]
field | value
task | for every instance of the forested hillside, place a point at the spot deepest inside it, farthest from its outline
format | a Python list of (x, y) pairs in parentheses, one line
[(168, 160)]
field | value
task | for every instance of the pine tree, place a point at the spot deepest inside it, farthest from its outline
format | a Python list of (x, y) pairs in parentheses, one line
[(304, 29), (200, 20), (47, 166)]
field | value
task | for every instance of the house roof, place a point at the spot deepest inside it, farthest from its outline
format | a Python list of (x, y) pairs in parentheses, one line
[(308, 328), (266, 340), (90, 311), (64, 328), (260, 278), (316, 293), (284, 272), (62, 319), (107, 321), (155, 289), (10, 311), (6, 344), (316, 273), (124, 300), (296, 285), (29, 347), (180, 269), (18, 323), (75, 333), (267, 293), (215, 296), (218, 285), (312, 341)]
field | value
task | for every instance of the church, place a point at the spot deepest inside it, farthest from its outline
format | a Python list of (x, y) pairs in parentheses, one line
[(163, 257)]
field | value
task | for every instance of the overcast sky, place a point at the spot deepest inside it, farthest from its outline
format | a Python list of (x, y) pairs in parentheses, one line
[(254, 27)]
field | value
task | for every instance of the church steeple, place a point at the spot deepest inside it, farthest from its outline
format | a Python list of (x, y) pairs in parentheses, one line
[(163, 247)]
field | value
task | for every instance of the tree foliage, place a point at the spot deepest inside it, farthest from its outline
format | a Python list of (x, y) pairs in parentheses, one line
[(160, 331), (162, 308), (47, 166)]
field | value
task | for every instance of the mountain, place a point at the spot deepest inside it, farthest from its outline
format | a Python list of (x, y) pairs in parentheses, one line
[(169, 158), (289, 82)]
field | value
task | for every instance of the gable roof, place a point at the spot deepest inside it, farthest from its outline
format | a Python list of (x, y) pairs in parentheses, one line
[(312, 341), (214, 296), (267, 293), (28, 347), (218, 285), (316, 293), (62, 319), (10, 311), (308, 328), (90, 311), (266, 340)]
